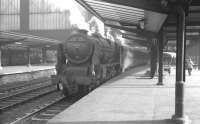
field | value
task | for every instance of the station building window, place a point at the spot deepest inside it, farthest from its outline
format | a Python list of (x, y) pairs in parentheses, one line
[(9, 15), (45, 15)]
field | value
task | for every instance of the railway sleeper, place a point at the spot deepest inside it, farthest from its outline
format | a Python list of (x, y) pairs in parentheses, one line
[(48, 114), (22, 92), (39, 119), (7, 105)]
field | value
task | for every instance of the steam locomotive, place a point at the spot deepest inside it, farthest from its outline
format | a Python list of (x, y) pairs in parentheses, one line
[(84, 62)]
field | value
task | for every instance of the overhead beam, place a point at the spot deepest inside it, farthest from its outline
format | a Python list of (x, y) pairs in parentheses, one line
[(187, 30), (135, 39), (120, 17), (26, 45), (191, 20), (171, 21), (30, 35), (128, 24), (195, 3), (86, 6), (194, 11), (152, 5), (137, 31), (38, 45), (123, 22), (140, 43), (9, 41), (187, 34), (187, 37), (188, 23)]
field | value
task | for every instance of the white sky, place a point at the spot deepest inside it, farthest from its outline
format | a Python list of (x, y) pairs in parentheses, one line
[(75, 17)]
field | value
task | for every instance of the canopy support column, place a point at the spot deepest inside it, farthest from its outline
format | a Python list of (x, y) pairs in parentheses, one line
[(44, 55), (179, 116), (28, 56), (160, 69), (153, 59), (24, 16), (0, 58)]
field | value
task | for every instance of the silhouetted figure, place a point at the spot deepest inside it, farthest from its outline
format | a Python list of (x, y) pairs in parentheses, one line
[(189, 66)]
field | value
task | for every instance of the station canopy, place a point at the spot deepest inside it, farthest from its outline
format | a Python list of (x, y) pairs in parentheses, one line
[(140, 18), (192, 22), (14, 39), (145, 17), (133, 14)]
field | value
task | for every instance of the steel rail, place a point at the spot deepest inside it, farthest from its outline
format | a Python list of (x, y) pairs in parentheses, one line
[(28, 116), (5, 105)]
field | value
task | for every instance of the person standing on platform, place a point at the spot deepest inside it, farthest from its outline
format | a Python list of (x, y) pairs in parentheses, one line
[(189, 66)]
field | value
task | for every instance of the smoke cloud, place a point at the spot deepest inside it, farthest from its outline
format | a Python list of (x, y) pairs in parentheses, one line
[(128, 59)]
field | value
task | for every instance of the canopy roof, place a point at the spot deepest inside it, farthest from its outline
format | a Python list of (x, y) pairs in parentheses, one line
[(24, 40), (145, 17), (125, 14)]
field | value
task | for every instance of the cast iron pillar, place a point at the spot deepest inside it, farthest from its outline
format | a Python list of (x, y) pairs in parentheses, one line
[(179, 116), (184, 68), (198, 59), (44, 55), (160, 69), (24, 15), (28, 57), (153, 59), (0, 58)]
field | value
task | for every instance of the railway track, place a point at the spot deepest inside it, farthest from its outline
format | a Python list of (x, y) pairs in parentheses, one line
[(9, 89), (19, 97), (30, 117), (45, 112), (28, 109), (35, 104)]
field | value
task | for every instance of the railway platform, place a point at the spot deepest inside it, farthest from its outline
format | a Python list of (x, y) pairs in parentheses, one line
[(133, 98), (12, 74), (22, 69)]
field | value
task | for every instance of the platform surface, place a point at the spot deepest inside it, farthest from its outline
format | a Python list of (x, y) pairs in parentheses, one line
[(133, 98), (21, 69)]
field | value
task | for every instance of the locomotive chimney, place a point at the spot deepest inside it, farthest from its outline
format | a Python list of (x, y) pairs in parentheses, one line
[(83, 31)]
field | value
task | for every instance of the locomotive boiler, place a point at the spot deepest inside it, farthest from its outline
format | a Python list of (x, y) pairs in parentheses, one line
[(84, 62)]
